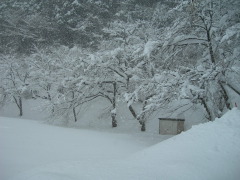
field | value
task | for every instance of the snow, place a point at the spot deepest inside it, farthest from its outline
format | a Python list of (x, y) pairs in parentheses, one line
[(187, 39), (231, 31), (149, 47), (207, 151), (34, 150), (31, 150), (75, 2)]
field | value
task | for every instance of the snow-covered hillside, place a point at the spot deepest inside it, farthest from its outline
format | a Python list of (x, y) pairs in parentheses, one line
[(34, 151)]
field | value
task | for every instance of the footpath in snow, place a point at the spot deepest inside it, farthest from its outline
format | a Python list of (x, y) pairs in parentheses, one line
[(209, 151)]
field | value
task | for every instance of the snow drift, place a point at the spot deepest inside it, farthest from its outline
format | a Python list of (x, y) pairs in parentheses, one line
[(207, 151)]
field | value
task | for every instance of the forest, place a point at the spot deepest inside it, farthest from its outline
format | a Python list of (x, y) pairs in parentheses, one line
[(145, 55)]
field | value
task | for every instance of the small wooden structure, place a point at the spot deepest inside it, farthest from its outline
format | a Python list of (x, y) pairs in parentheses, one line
[(171, 126)]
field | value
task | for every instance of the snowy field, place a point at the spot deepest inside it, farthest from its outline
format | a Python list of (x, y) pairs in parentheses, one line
[(31, 150), (29, 147)]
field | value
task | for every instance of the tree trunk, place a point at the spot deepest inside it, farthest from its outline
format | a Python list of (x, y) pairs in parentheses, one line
[(132, 111), (140, 120), (113, 113), (143, 126), (142, 117), (114, 121), (74, 114), (74, 109), (210, 48), (207, 109), (234, 89), (225, 96), (20, 107), (18, 102)]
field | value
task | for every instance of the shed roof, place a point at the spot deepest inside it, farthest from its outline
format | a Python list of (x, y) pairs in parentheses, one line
[(172, 119)]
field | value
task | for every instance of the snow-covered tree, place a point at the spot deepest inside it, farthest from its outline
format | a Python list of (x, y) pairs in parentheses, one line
[(14, 80), (56, 75), (201, 26), (153, 53), (122, 55)]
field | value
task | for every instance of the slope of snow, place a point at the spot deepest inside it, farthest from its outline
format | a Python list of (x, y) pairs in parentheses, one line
[(207, 151), (27, 145)]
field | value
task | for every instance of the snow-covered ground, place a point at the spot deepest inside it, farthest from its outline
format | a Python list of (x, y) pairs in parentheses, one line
[(31, 150), (29, 147)]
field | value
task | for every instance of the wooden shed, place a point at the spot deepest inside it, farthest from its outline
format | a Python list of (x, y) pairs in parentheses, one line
[(171, 126)]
